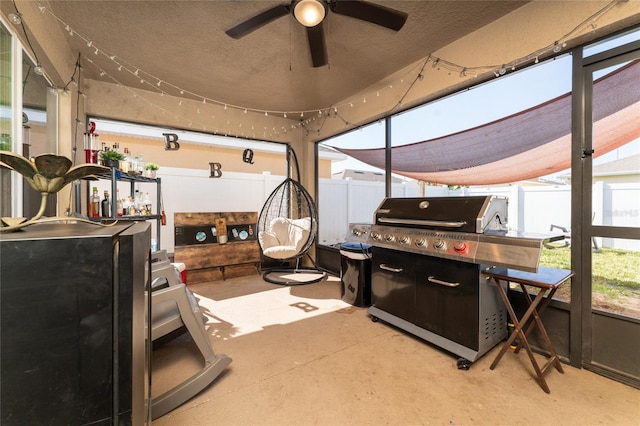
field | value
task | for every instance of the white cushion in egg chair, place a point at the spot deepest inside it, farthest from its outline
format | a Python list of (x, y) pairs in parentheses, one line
[(285, 237)]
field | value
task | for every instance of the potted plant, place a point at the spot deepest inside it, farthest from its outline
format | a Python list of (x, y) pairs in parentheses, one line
[(150, 170), (111, 158)]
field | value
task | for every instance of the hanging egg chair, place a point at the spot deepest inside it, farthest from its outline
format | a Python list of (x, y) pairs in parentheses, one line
[(287, 228)]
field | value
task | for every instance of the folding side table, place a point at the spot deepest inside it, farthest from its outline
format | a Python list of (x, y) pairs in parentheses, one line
[(547, 280)]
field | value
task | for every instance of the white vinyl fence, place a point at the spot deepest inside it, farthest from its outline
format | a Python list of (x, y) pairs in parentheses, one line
[(532, 209), (340, 202)]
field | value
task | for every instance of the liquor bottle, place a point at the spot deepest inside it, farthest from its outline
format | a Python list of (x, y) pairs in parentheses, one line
[(147, 203), (119, 205), (125, 165), (106, 205), (94, 204), (126, 206)]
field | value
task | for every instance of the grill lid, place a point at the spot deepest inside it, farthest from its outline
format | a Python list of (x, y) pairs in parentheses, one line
[(475, 214)]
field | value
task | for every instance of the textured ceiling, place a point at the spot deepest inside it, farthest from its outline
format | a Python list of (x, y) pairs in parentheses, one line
[(183, 43)]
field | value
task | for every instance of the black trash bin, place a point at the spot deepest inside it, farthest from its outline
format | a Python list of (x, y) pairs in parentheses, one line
[(355, 272)]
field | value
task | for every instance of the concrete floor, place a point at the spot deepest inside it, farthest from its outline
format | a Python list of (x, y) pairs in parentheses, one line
[(303, 357)]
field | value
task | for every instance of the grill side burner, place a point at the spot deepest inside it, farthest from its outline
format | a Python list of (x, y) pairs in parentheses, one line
[(428, 255)]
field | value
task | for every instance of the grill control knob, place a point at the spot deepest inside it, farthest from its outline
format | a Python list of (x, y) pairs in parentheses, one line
[(405, 240), (439, 245), (389, 238), (460, 247), (357, 232), (375, 235), (421, 242)]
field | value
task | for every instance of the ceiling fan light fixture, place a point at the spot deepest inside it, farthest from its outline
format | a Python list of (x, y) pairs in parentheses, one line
[(309, 12)]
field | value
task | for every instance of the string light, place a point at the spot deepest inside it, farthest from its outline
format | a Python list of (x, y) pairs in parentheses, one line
[(437, 63)]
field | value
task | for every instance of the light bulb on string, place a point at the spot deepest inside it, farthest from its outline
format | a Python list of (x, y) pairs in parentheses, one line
[(38, 69), (15, 18)]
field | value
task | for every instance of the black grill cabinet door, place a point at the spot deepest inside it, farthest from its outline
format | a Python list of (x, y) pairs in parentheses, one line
[(447, 299), (392, 282)]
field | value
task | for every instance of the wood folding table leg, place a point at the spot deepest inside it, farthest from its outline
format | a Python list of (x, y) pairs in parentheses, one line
[(553, 360), (547, 281)]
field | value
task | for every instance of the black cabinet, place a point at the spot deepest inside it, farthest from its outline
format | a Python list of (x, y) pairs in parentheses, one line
[(74, 312), (447, 299), (393, 287), (442, 301)]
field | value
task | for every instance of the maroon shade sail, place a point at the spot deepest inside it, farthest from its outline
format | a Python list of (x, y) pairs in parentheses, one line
[(532, 143)]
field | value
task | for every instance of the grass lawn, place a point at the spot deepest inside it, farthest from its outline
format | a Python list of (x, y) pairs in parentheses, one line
[(616, 278)]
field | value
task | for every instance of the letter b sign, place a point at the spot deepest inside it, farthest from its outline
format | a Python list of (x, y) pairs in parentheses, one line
[(171, 142)]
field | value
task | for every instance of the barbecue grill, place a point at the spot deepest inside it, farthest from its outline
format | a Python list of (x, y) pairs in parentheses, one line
[(428, 255)]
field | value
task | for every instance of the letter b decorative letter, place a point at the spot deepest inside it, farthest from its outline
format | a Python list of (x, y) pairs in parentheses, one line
[(171, 142), (216, 170)]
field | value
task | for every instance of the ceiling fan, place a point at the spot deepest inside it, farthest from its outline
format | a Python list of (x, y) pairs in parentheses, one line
[(311, 14)]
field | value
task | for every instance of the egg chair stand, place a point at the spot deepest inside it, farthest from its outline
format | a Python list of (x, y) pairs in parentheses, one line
[(287, 226)]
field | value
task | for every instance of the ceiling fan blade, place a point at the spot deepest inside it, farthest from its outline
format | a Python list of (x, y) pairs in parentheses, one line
[(317, 46), (258, 21), (370, 12)]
